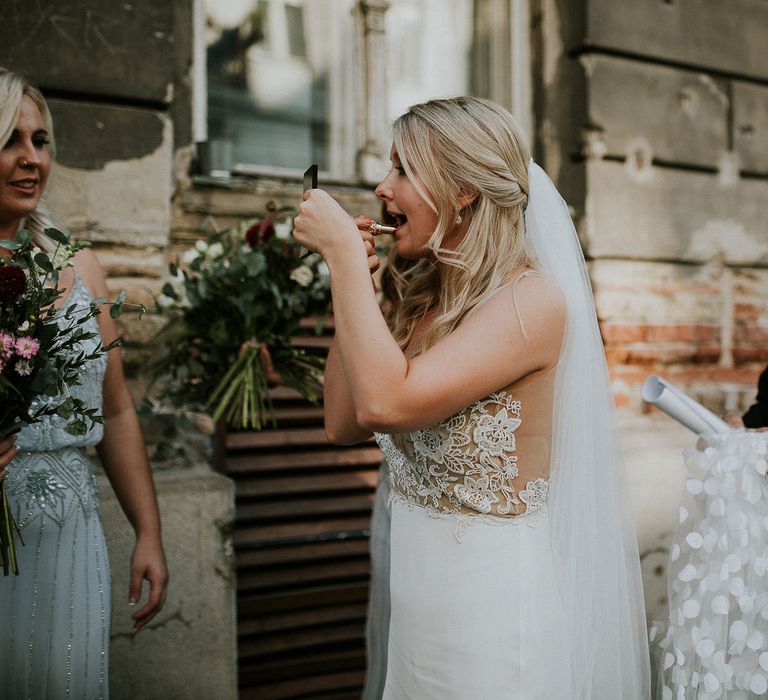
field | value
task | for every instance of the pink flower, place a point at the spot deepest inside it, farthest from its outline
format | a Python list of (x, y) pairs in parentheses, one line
[(23, 368), (27, 347), (7, 343)]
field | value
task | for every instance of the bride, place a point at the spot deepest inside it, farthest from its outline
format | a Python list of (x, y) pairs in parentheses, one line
[(513, 565)]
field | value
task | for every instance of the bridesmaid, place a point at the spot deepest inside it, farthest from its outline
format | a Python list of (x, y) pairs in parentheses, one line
[(54, 617)]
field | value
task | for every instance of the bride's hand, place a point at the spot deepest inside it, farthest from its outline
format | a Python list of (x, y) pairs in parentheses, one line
[(323, 226), (363, 225)]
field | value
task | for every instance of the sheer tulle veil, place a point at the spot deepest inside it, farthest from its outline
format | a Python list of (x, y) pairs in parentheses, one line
[(593, 530)]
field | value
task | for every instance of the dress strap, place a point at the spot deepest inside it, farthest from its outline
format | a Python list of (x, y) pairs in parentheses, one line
[(513, 284)]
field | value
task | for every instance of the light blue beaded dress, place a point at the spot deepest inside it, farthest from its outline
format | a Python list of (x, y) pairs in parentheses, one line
[(54, 616)]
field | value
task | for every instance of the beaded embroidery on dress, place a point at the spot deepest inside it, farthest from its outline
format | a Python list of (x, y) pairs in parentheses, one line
[(55, 632)]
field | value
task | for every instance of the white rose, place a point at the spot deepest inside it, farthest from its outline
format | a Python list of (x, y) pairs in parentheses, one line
[(215, 250), (164, 302), (322, 269), (302, 275), (189, 256), (201, 246), (282, 230)]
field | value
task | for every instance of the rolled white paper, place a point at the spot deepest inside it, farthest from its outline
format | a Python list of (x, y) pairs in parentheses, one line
[(678, 405)]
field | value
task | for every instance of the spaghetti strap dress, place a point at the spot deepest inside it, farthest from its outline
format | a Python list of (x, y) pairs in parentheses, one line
[(54, 616)]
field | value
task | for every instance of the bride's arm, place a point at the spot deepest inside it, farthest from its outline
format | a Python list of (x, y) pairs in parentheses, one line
[(341, 426), (486, 352)]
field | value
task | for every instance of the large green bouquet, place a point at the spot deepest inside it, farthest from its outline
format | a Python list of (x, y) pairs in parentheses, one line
[(234, 303), (40, 349)]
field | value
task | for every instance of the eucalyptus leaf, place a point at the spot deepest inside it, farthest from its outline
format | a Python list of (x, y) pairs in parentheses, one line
[(56, 235)]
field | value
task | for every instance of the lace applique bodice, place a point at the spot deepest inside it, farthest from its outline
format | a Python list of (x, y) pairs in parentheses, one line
[(469, 464)]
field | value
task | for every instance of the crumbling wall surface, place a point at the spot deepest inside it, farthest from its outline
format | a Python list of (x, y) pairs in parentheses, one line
[(118, 80), (663, 154)]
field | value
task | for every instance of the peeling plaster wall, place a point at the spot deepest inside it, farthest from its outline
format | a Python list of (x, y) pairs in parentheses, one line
[(652, 120), (118, 80)]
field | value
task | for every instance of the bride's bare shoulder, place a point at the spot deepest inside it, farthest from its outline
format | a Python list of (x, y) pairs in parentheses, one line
[(533, 301)]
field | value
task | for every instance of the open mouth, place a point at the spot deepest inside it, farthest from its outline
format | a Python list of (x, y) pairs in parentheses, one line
[(400, 219)]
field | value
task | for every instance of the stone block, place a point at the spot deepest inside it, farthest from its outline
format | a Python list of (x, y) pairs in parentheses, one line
[(126, 261), (674, 115), (138, 290), (89, 135), (750, 126), (125, 198), (93, 46), (140, 331), (188, 652), (666, 214), (722, 36)]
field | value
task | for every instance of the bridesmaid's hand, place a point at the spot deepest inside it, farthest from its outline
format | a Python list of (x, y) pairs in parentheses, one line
[(8, 451), (148, 562), (323, 226)]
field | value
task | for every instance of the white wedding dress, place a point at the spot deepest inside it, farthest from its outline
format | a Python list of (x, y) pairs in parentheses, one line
[(476, 610)]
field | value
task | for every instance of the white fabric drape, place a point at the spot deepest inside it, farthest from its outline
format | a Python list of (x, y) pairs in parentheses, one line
[(592, 528)]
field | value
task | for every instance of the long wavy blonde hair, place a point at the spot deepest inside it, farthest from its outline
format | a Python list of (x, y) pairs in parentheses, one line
[(453, 149), (13, 88)]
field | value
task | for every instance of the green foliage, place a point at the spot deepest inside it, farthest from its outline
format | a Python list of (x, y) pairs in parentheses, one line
[(41, 349), (233, 304)]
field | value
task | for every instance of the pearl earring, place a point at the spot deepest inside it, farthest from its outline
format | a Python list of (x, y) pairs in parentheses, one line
[(457, 220)]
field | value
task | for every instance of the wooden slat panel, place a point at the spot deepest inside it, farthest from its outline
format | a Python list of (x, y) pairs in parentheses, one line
[(302, 575), (303, 507), (302, 618), (307, 688), (254, 604), (251, 463), (282, 531), (287, 666), (291, 641), (302, 518), (343, 481), (304, 552)]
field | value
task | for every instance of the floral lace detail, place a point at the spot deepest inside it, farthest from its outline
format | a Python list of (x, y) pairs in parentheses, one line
[(465, 466)]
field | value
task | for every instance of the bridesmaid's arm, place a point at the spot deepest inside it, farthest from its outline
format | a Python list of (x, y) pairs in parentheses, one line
[(124, 458)]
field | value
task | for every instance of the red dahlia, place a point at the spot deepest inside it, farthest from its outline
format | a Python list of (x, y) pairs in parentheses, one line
[(13, 282), (260, 232)]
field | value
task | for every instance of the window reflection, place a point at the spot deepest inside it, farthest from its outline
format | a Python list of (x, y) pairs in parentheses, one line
[(268, 79)]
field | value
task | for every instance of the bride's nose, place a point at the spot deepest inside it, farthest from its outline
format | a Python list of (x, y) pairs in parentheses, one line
[(383, 191)]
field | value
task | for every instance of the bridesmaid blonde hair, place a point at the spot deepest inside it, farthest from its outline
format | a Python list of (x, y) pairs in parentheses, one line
[(13, 88), (454, 148)]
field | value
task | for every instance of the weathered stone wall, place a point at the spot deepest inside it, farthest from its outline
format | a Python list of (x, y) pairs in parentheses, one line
[(118, 80), (653, 121)]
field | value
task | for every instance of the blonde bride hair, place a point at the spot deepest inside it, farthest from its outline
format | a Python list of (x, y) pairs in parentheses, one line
[(452, 149), (13, 88)]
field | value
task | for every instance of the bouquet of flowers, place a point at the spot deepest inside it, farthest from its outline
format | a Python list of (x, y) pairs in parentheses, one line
[(234, 302), (40, 352)]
